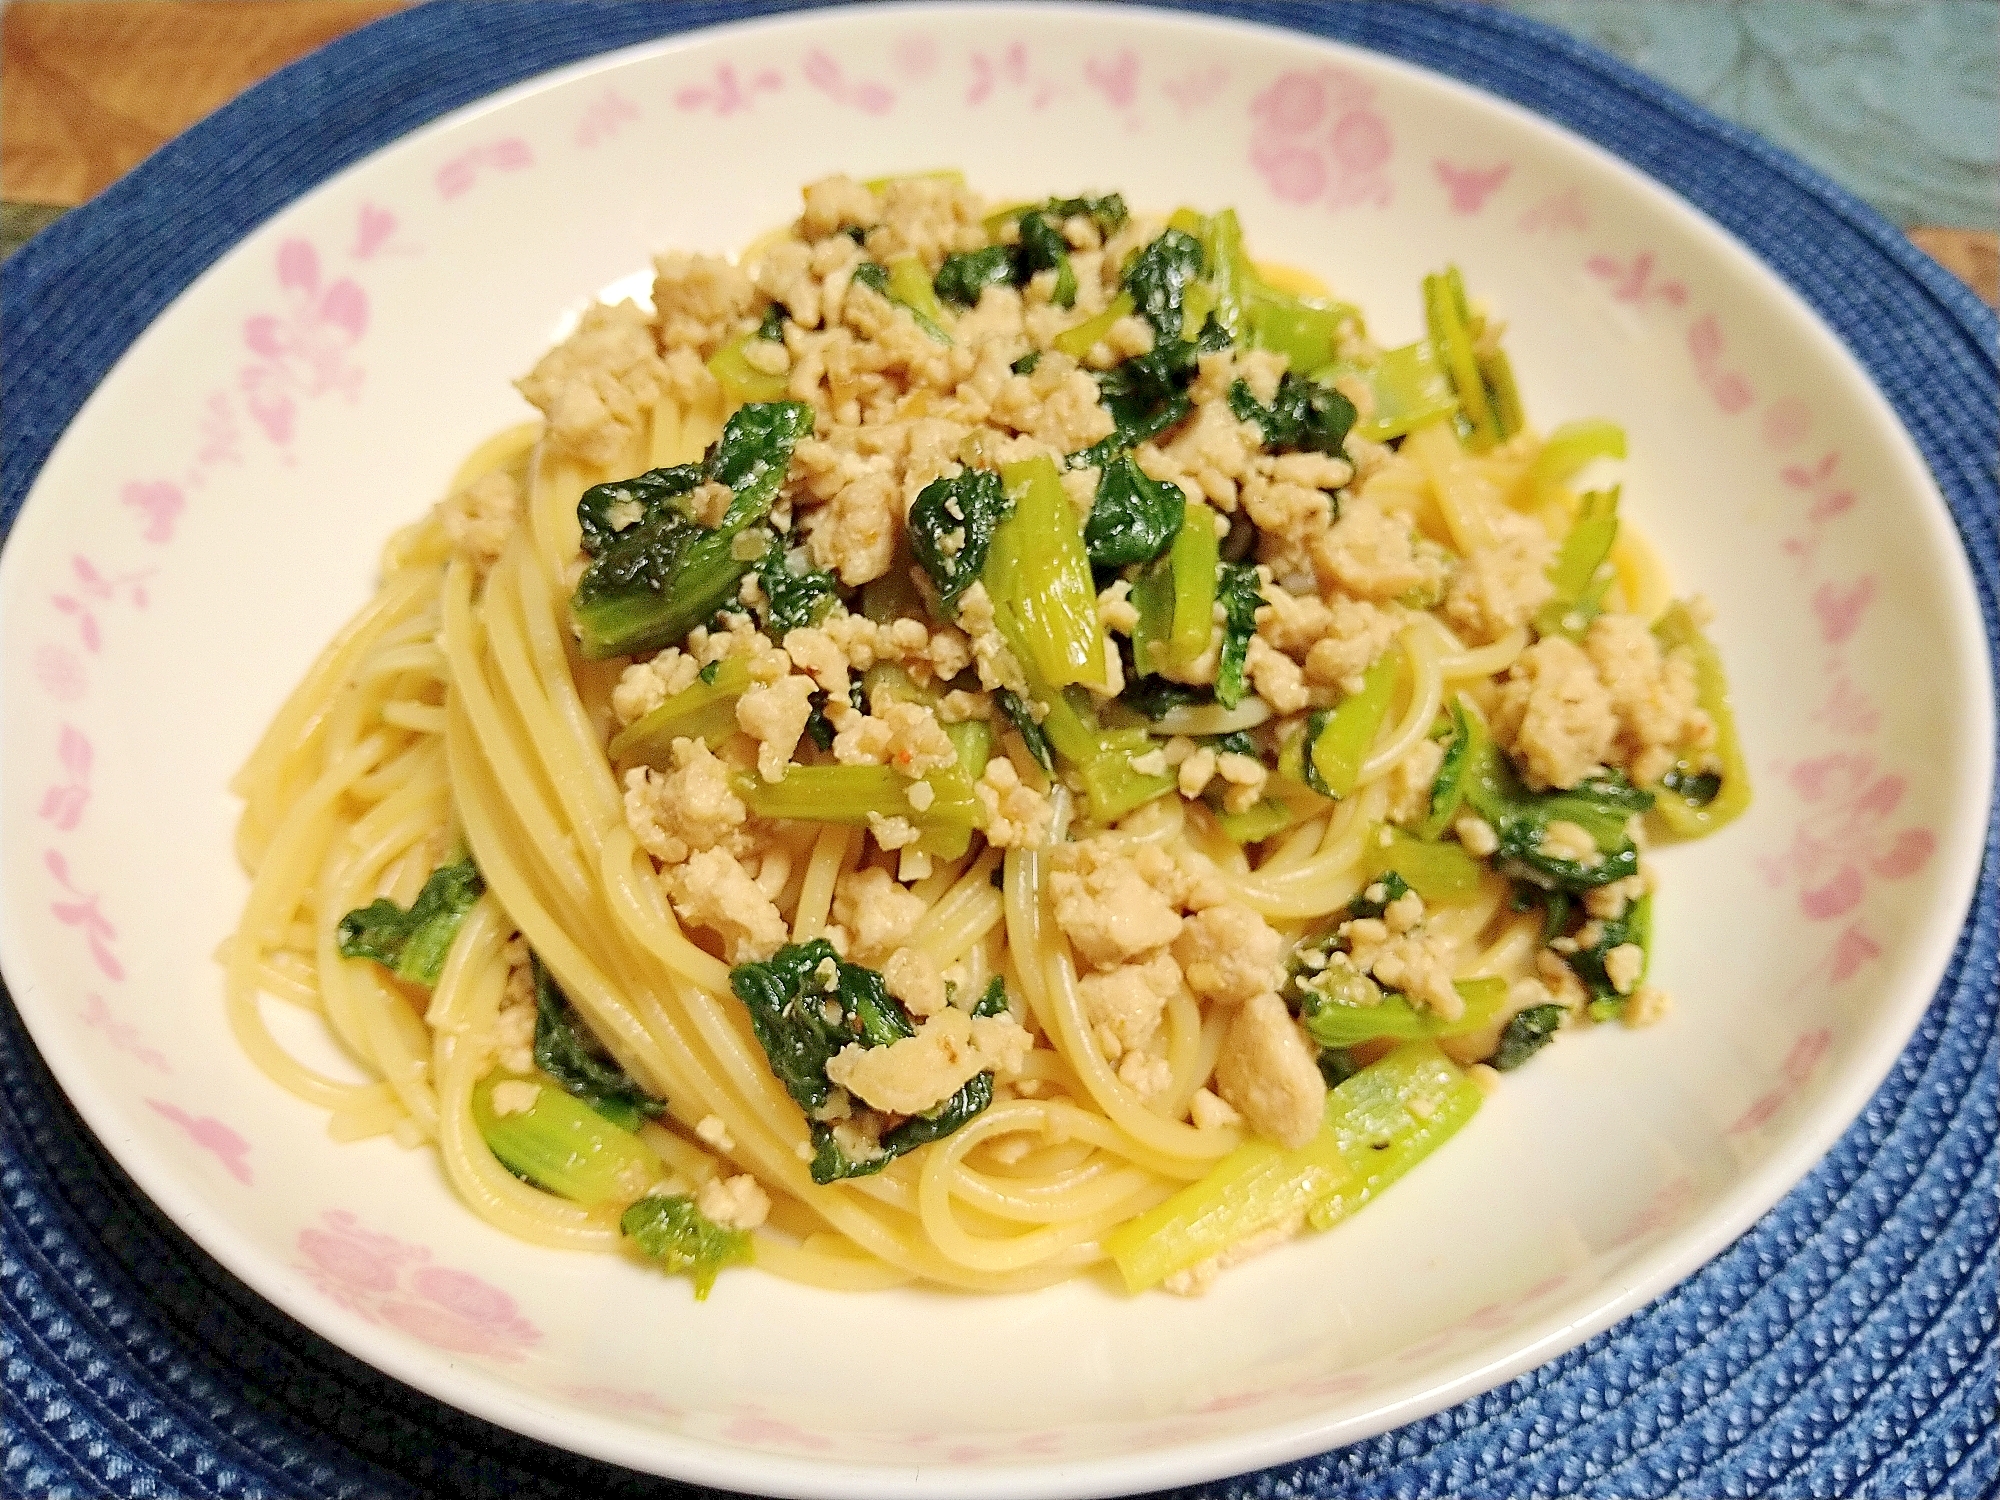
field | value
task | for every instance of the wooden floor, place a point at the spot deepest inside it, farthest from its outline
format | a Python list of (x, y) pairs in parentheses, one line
[(87, 91)]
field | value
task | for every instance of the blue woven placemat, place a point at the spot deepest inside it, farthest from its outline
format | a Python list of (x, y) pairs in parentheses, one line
[(1845, 1346)]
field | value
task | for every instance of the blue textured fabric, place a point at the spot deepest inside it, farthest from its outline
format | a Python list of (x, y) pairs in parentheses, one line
[(1845, 1346)]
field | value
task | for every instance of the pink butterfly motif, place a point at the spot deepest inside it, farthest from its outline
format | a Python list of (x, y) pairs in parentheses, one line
[(1117, 80), (824, 74), (214, 1137), (1730, 388), (160, 502), (82, 913), (1469, 187), (64, 802), (1840, 608), (1196, 87), (726, 92)]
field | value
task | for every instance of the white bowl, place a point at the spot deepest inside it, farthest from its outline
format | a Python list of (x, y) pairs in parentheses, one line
[(216, 511)]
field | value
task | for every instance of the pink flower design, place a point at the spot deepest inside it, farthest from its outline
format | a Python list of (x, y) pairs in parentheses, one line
[(631, 1403), (1847, 709), (1732, 392), (725, 93), (457, 176), (1469, 187), (824, 74), (1793, 1072), (1564, 209), (303, 351), (160, 502), (93, 586), (1786, 422), (1820, 481), (218, 429), (1318, 136), (64, 802), (916, 56), (82, 913), (1846, 834), (60, 673), (1011, 69), (604, 117), (1117, 79), (754, 1427), (1634, 283), (374, 228), (392, 1283), (122, 1035), (1196, 87), (214, 1137), (1667, 1207), (1840, 609)]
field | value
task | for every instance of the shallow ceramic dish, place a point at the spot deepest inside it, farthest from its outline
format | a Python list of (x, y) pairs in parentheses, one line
[(215, 512)]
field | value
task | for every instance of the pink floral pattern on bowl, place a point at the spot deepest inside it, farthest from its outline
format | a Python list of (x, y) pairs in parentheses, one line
[(392, 1282)]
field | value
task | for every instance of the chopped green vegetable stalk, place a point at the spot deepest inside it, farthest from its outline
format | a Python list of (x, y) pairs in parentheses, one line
[(563, 1146), (1303, 417), (703, 710), (1411, 388), (973, 740), (1175, 598), (741, 381), (1582, 571), (1632, 927), (1241, 594), (685, 1241), (796, 593), (1305, 330), (1102, 758), (904, 283), (1461, 734), (1390, 1116), (1691, 808), (570, 1055), (1134, 518), (1255, 1188), (951, 527), (1077, 342), (1232, 280), (851, 794), (1270, 814), (1338, 740), (1482, 377), (1526, 1034), (1521, 819), (1341, 1007), (1026, 725), (1038, 577), (413, 944), (1572, 446), (655, 578), (1443, 874)]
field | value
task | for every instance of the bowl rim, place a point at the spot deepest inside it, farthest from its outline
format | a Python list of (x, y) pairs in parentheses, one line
[(1536, 1341)]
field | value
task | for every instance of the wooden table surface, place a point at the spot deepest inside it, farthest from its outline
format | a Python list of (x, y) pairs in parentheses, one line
[(89, 88)]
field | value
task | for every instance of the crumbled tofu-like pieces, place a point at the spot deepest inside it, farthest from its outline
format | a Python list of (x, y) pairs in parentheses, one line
[(876, 911), (645, 685), (1269, 1072), (1499, 588), (515, 1096), (855, 534), (598, 387), (1554, 714), (1476, 835), (834, 203), (775, 716), (1106, 906), (1197, 770), (692, 808), (1623, 965), (913, 978), (1145, 1073), (1124, 1005), (1653, 696), (1649, 1004), (1212, 1112), (921, 1072), (1277, 678), (1230, 954), (990, 651), (713, 891), (714, 1130), (1017, 816), (1411, 780), (699, 300), (1371, 552), (1414, 962), (734, 1202), (480, 518), (1357, 632), (1563, 839)]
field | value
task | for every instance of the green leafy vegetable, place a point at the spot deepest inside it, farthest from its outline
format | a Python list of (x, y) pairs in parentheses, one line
[(654, 581), (1691, 809), (1442, 873), (1158, 277), (1448, 786), (1526, 1034), (1025, 365), (685, 1241), (1241, 594), (1043, 248), (1134, 518), (851, 795), (967, 273), (608, 511), (799, 594), (951, 526), (1175, 597), (772, 327), (413, 944), (1633, 926), (1148, 394), (1024, 723), (1337, 740), (1411, 388), (570, 1055), (805, 1004), (1037, 574), (1582, 571), (1303, 417), (704, 710), (1479, 371), (563, 1146)]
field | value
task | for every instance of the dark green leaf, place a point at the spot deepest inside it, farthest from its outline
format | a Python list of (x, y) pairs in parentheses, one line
[(1698, 787), (569, 1054), (1303, 417), (1158, 277), (1043, 248), (772, 325), (608, 511), (1134, 518), (1526, 1034), (1023, 720), (994, 1001), (804, 1013), (873, 275), (1241, 594), (1394, 889), (413, 944), (799, 597), (951, 528), (967, 273), (1156, 696), (1025, 365)]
